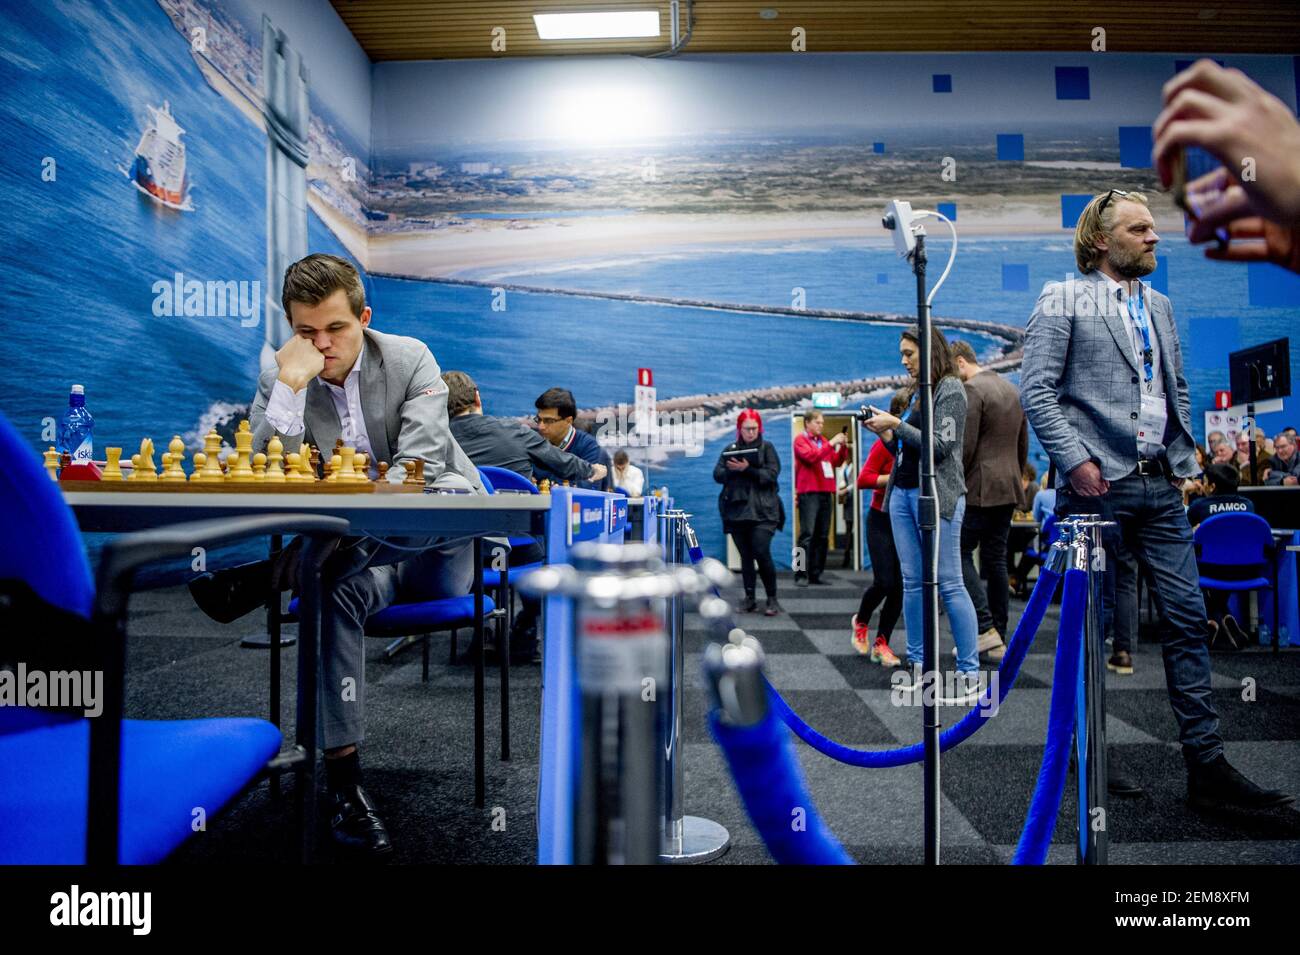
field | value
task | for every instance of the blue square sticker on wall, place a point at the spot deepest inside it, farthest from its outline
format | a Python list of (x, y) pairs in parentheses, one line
[(877, 147), (1180, 65), (1209, 340), (1072, 206), (1072, 82), (1015, 277), (942, 82), (948, 209), (1271, 286), (1011, 147), (1135, 147), (882, 278)]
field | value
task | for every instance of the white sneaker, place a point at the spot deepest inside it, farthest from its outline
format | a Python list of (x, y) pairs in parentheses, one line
[(967, 687)]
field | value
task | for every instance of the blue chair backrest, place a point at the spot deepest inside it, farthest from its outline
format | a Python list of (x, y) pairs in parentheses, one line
[(1048, 533), (487, 481), (40, 543), (1235, 538), (503, 479)]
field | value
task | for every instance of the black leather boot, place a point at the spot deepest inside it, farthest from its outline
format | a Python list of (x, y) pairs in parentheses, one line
[(1217, 785)]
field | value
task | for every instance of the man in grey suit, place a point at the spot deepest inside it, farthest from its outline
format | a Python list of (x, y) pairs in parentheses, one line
[(1103, 387), (382, 394), (994, 452)]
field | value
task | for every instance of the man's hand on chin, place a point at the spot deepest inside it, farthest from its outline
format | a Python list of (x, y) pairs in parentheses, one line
[(299, 362), (1086, 480)]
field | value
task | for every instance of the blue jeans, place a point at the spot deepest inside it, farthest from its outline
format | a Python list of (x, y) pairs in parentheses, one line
[(1152, 526), (952, 586)]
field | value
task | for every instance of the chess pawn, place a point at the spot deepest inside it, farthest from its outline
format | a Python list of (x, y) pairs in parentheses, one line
[(361, 463), (172, 468), (410, 473), (259, 466), (52, 464), (135, 468), (333, 467), (146, 470), (293, 463), (275, 454), (545, 486), (239, 466), (200, 459), (383, 471), (113, 468)]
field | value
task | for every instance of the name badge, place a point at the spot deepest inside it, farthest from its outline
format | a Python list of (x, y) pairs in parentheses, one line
[(1151, 419), (827, 472)]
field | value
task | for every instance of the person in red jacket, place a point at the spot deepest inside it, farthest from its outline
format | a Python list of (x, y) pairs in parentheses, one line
[(886, 575), (815, 461)]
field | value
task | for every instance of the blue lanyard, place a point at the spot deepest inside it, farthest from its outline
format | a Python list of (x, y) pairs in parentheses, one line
[(1138, 313)]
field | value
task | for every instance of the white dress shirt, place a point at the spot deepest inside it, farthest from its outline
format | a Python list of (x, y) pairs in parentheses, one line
[(630, 479), (284, 410)]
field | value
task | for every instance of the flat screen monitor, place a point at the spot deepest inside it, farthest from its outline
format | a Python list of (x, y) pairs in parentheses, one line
[(1261, 372)]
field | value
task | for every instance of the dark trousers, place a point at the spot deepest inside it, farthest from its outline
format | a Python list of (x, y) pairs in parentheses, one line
[(1152, 525), (886, 576), (814, 525), (754, 541), (987, 529), (1119, 607)]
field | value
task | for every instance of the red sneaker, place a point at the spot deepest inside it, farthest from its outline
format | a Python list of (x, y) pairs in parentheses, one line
[(880, 653), (861, 636)]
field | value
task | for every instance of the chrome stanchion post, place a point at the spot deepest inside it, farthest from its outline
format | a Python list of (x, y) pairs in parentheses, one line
[(686, 838), (1090, 706)]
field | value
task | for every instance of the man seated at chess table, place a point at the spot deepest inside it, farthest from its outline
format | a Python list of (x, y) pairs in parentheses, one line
[(337, 377)]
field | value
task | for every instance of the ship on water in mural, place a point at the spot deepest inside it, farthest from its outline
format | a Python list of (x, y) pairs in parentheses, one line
[(158, 169)]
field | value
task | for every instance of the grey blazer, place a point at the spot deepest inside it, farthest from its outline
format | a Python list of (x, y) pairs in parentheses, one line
[(1079, 384), (404, 403), (949, 437)]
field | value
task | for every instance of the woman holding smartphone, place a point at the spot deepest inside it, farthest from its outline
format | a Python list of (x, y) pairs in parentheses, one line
[(751, 506), (902, 501)]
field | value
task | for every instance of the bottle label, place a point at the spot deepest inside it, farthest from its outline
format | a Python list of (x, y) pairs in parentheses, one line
[(85, 451)]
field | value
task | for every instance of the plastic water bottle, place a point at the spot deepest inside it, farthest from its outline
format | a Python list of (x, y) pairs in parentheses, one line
[(76, 429)]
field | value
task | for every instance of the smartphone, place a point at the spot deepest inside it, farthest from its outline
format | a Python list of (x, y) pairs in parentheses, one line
[(1190, 163)]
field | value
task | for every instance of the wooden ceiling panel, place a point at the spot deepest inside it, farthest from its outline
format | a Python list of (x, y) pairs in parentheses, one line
[(458, 29)]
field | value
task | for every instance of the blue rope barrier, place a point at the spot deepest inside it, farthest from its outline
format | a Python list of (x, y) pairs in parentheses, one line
[(771, 785), (1040, 821), (1023, 638)]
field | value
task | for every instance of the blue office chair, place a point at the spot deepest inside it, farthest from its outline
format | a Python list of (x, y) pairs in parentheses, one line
[(1240, 540), (110, 790), (1047, 535)]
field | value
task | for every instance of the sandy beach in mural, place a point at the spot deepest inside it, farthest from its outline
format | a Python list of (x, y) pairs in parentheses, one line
[(476, 247)]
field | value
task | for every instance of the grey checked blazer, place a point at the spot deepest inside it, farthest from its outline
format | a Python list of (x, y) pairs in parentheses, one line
[(1079, 384), (404, 403)]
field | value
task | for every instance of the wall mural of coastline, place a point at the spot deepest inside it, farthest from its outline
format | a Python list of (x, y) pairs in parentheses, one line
[(559, 222)]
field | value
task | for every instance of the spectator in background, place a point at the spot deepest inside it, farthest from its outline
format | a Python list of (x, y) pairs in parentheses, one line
[(1021, 539), (815, 461), (556, 410), (627, 475), (994, 455), (902, 498), (1222, 498), (1223, 452), (886, 590), (1224, 112), (750, 504), (1214, 439), (1285, 466), (1262, 459)]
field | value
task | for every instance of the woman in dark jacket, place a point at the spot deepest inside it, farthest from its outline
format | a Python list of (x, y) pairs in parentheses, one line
[(751, 505)]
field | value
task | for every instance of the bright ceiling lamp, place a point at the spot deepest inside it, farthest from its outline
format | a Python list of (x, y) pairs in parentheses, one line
[(598, 25)]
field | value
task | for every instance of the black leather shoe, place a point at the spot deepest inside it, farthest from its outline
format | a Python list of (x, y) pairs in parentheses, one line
[(818, 582), (1217, 785), (356, 825), (1118, 784), (800, 580), (227, 595), (749, 604)]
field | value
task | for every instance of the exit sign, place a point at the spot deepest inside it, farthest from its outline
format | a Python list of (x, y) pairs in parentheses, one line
[(1223, 400)]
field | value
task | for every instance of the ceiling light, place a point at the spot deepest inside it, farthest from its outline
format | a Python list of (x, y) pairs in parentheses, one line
[(601, 25), (767, 13)]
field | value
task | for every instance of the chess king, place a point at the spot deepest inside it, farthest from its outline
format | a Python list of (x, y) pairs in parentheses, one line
[(338, 377)]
